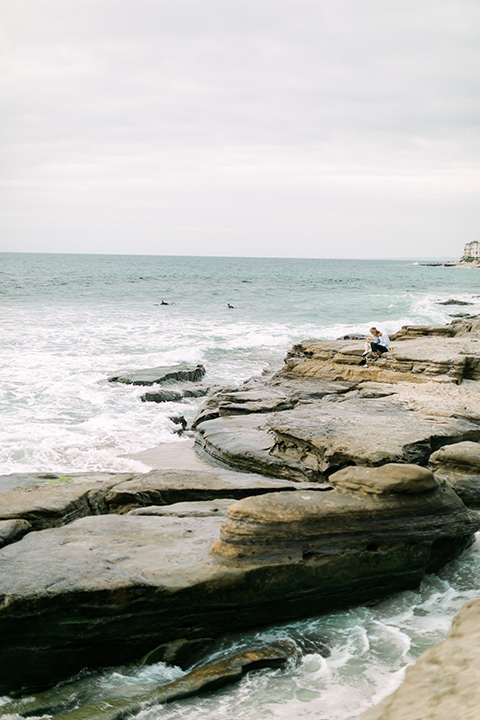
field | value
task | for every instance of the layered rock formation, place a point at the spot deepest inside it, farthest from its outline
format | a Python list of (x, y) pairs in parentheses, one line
[(372, 515), (182, 555), (69, 594), (459, 466), (325, 410)]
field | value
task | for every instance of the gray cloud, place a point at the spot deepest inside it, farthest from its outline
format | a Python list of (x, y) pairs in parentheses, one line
[(240, 127)]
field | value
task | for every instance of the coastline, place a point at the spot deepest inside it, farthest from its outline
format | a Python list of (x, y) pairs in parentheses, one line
[(282, 401), (458, 263)]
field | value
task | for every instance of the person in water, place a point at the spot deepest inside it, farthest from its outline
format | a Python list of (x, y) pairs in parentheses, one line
[(165, 303)]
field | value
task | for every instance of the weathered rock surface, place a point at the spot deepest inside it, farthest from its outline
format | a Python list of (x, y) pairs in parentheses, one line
[(36, 501), (257, 396), (459, 465), (202, 508), (165, 487), (324, 410), (68, 594), (50, 501), (446, 359), (372, 510), (316, 439), (160, 375), (456, 327), (445, 681)]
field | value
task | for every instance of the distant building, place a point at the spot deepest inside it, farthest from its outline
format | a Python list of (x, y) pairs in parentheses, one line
[(472, 250)]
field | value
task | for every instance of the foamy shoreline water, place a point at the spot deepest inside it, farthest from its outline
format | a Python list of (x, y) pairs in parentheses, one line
[(69, 322)]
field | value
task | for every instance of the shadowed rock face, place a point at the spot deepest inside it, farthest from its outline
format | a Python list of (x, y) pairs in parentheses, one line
[(13, 530), (175, 394), (459, 466), (206, 676)]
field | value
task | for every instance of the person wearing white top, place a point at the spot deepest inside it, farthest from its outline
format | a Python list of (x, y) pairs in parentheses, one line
[(380, 342)]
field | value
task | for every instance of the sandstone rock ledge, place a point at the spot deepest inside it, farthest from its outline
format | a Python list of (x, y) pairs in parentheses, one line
[(325, 410), (107, 589)]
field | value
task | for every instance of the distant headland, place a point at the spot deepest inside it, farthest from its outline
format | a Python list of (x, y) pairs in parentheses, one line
[(470, 257)]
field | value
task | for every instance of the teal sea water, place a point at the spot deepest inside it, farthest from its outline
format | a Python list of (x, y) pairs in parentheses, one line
[(70, 321)]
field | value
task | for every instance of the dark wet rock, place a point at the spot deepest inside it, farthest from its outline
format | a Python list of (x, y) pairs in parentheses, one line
[(452, 301), (181, 422), (205, 677), (381, 511), (175, 394), (183, 652), (13, 530), (160, 375), (312, 441), (166, 487), (459, 466)]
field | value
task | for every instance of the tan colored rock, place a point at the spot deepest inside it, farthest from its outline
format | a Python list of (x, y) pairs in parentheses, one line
[(418, 360), (467, 326), (445, 681), (385, 480), (277, 527)]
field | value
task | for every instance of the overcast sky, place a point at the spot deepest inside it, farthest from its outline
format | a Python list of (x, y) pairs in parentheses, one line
[(302, 128)]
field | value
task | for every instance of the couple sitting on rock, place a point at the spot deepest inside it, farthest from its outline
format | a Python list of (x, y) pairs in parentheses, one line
[(377, 344)]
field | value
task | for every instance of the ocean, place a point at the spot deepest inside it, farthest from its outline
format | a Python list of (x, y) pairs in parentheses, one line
[(71, 321)]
